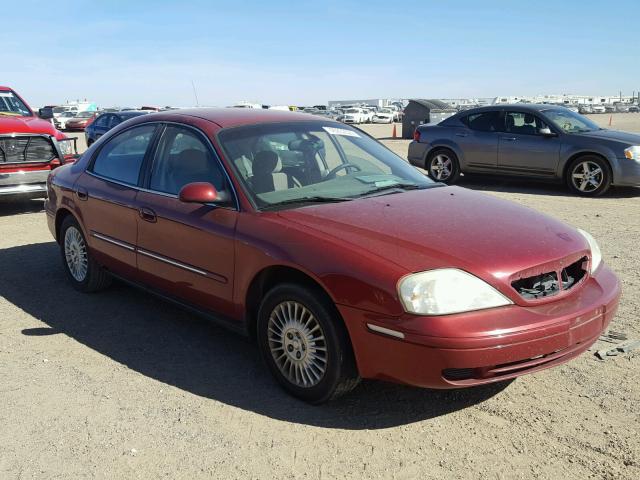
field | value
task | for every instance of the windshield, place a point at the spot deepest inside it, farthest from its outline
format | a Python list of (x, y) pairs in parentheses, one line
[(569, 121), (10, 104), (85, 114), (67, 114), (288, 163), (352, 110)]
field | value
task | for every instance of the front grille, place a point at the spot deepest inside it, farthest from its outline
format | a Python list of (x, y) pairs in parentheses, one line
[(26, 148), (551, 283)]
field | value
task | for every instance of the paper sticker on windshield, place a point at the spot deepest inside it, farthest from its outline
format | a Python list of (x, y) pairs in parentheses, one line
[(6, 94), (340, 131)]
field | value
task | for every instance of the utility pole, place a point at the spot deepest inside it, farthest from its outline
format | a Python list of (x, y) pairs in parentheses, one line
[(195, 94)]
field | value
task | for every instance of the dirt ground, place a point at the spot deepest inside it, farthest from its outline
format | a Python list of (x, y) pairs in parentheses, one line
[(122, 385)]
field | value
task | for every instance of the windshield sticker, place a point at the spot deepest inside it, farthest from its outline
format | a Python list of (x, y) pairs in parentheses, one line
[(6, 94), (340, 131)]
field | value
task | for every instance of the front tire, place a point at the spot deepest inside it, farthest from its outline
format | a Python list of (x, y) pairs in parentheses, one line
[(442, 166), (84, 273), (305, 345), (589, 176)]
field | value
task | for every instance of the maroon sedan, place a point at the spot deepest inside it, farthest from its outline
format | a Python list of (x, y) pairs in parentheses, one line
[(338, 257), (80, 121)]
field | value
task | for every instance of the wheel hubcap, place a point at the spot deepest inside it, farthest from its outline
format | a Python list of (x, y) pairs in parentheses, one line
[(297, 344), (441, 167), (587, 176), (75, 252)]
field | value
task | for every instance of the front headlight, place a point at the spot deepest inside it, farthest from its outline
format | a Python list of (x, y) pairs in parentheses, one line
[(633, 153), (447, 290), (596, 254)]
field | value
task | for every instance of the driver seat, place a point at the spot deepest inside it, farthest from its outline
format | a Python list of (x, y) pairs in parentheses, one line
[(268, 175)]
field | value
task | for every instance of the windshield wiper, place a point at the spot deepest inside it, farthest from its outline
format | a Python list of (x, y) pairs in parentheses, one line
[(313, 199), (396, 186)]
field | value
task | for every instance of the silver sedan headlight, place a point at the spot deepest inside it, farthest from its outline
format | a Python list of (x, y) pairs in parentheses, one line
[(596, 254), (447, 290)]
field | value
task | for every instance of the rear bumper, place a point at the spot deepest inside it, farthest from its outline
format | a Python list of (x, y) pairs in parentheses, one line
[(31, 183), (505, 342), (417, 154)]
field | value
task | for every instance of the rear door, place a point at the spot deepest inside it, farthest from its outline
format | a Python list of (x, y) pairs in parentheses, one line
[(479, 141), (107, 192), (186, 250), (523, 150)]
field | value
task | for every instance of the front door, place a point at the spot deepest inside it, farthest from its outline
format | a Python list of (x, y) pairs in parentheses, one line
[(108, 191), (186, 250), (523, 150)]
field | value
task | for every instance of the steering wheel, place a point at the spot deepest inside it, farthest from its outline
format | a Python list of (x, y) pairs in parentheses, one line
[(332, 174)]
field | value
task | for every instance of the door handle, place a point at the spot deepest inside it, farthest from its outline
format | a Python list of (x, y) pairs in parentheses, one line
[(147, 214), (82, 193), (509, 139)]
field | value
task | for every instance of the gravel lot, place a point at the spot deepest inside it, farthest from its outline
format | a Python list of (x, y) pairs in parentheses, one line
[(122, 385)]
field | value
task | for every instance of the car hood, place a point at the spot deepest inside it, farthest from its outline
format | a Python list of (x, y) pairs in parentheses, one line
[(419, 230), (623, 137), (11, 124)]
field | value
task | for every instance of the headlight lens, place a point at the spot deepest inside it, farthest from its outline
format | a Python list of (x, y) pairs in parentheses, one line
[(66, 146), (633, 153), (447, 290), (596, 254)]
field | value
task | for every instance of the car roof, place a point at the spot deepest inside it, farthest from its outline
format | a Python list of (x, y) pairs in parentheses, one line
[(233, 117), (130, 113), (5, 89), (525, 107)]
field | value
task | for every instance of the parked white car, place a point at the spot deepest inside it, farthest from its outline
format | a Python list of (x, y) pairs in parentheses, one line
[(385, 115), (354, 115), (599, 109)]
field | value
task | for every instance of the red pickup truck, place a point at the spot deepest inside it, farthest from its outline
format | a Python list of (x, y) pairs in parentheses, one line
[(30, 147)]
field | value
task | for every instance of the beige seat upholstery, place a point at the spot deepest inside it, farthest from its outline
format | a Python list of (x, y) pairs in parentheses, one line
[(267, 173)]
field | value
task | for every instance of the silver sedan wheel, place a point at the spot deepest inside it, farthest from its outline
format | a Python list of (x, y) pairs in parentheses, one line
[(75, 253), (297, 344), (441, 167), (587, 176)]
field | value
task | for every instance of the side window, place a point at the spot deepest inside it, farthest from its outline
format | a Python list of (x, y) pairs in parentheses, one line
[(113, 121), (183, 158), (102, 121), (484, 121), (121, 158), (523, 123)]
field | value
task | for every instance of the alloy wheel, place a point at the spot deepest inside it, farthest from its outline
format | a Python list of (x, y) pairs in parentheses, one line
[(75, 253), (587, 176), (441, 167), (297, 344)]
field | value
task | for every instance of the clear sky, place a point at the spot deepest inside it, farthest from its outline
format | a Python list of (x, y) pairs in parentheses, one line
[(135, 52)]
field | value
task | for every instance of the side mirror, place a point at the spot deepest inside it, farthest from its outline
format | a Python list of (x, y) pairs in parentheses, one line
[(198, 192), (546, 132), (46, 113)]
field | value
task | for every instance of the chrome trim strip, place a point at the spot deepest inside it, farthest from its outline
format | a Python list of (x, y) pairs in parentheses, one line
[(23, 189), (108, 239), (385, 331), (184, 266)]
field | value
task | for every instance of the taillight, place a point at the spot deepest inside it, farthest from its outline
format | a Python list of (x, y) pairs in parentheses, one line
[(416, 135)]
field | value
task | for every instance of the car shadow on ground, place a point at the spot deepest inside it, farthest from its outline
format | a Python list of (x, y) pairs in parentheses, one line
[(172, 346), (494, 183), (17, 207)]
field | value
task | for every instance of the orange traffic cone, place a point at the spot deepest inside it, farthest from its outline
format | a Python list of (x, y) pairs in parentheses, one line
[(394, 134), (610, 117)]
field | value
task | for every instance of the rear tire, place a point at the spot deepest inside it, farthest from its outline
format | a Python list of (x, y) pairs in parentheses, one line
[(442, 166), (305, 345), (84, 273), (589, 176)]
